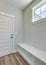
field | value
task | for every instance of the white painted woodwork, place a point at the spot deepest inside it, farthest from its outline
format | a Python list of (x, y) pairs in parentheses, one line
[(6, 29), (34, 51)]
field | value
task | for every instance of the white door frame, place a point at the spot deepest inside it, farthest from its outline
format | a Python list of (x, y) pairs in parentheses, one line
[(6, 14), (11, 16)]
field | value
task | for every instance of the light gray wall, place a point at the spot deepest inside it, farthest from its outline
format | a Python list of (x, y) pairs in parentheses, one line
[(9, 9), (34, 33)]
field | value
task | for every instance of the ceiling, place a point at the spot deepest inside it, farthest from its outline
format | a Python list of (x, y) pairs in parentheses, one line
[(21, 4)]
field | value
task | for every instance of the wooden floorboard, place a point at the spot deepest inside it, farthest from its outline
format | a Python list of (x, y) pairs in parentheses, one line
[(13, 59)]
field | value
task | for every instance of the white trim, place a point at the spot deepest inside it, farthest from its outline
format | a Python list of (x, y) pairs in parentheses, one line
[(41, 55), (14, 51), (6, 14), (7, 52), (3, 53), (36, 6), (40, 3)]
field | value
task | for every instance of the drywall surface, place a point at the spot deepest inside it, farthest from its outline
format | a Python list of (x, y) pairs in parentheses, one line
[(34, 33), (9, 9)]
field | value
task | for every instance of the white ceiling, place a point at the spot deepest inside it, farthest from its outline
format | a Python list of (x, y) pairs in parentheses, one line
[(21, 4)]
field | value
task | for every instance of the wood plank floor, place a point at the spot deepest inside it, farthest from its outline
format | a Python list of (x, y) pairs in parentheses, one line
[(13, 59)]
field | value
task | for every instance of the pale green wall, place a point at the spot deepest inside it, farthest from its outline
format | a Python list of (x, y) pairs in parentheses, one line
[(34, 33)]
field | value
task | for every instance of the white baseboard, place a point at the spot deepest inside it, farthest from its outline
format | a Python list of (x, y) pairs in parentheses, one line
[(3, 53), (14, 51)]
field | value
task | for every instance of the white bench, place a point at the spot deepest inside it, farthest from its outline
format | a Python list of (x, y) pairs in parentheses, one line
[(34, 51)]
